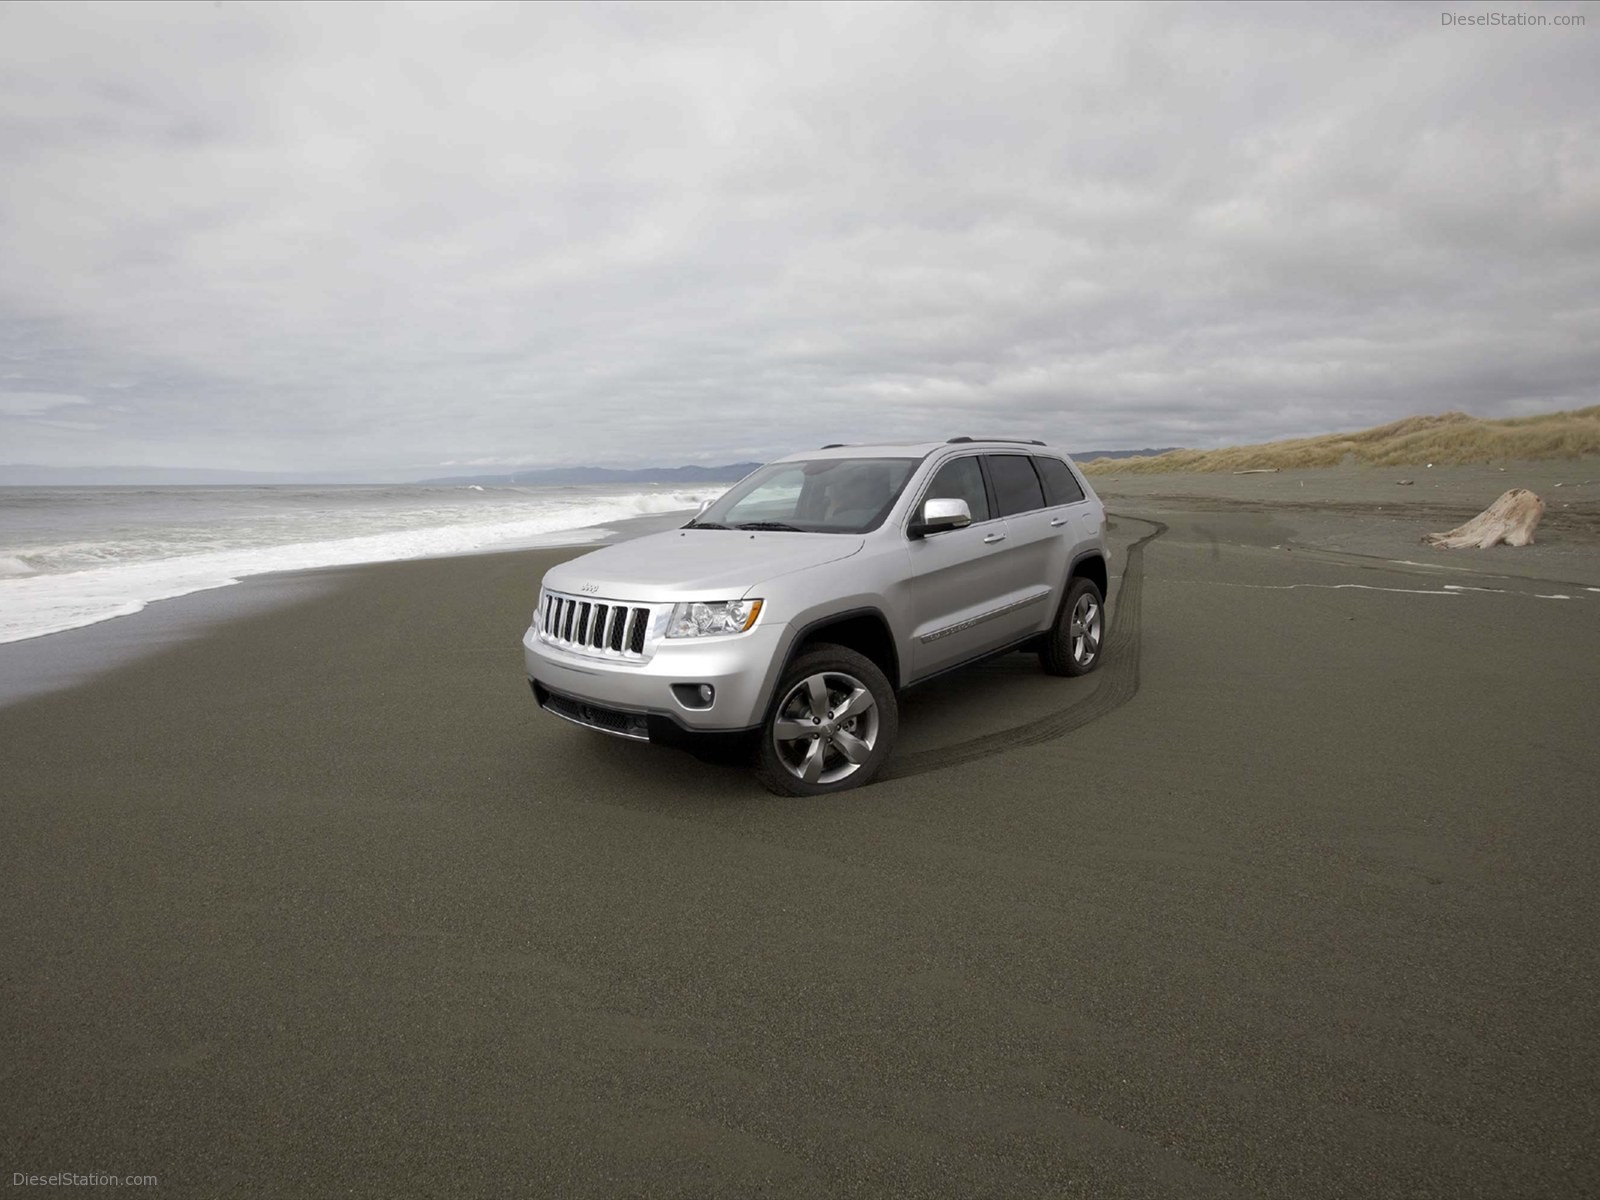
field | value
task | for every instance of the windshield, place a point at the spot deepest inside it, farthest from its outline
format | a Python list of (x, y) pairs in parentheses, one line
[(825, 495)]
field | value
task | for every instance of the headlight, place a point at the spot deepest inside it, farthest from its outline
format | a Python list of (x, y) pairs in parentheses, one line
[(703, 618)]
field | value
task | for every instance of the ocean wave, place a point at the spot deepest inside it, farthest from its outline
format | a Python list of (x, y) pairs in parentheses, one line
[(111, 579)]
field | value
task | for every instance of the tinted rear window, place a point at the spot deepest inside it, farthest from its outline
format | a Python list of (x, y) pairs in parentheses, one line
[(1060, 484), (1016, 487)]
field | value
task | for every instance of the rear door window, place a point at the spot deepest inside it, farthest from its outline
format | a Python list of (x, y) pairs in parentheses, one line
[(1016, 486), (1060, 484)]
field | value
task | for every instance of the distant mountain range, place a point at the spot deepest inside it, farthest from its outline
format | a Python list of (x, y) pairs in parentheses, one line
[(732, 473), (23, 475), (1090, 455), (557, 476), (20, 475), (27, 475)]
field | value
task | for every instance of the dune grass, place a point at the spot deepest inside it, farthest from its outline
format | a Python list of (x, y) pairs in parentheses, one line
[(1449, 438)]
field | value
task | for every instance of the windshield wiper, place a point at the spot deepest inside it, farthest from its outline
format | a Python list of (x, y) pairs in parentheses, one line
[(704, 525), (775, 526)]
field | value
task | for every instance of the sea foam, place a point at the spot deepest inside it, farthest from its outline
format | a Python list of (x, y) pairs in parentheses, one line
[(65, 585)]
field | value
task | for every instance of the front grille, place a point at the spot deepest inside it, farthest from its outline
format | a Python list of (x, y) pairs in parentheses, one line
[(597, 627), (595, 716)]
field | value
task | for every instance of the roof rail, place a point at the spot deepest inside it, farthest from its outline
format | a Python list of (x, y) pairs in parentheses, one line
[(1013, 441)]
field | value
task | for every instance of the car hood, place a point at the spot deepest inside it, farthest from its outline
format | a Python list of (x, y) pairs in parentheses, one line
[(696, 564)]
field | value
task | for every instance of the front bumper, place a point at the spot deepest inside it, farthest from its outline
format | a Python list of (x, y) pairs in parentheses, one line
[(735, 666)]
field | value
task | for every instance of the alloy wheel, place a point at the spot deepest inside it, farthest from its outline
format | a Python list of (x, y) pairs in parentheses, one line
[(826, 727), (1086, 630)]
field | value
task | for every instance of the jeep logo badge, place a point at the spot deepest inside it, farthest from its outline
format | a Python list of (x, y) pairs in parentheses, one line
[(590, 588)]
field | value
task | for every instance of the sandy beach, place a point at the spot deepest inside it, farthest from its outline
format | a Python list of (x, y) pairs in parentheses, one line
[(1293, 898)]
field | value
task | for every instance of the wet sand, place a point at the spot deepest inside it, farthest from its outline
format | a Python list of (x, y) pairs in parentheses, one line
[(1293, 898), (1384, 511)]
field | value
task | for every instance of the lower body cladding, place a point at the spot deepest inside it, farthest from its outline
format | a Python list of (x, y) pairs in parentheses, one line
[(688, 690), (724, 746)]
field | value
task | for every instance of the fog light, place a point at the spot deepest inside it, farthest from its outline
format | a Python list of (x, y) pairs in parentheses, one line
[(694, 695)]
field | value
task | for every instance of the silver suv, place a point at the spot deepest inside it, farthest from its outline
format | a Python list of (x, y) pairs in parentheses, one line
[(791, 611)]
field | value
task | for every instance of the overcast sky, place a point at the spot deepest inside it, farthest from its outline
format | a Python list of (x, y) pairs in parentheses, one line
[(371, 237)]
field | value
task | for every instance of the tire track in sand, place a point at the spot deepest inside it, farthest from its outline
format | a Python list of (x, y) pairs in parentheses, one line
[(1118, 683)]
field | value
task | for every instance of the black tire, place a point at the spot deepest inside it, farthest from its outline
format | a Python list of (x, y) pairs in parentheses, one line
[(850, 749), (1075, 643)]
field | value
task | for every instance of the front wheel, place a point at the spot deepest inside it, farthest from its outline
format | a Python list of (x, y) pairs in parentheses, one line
[(832, 727), (1072, 647)]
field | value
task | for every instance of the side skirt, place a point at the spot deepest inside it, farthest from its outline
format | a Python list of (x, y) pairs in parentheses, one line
[(1022, 643)]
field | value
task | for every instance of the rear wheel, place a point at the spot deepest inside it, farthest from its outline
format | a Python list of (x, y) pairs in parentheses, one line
[(1073, 646), (832, 726)]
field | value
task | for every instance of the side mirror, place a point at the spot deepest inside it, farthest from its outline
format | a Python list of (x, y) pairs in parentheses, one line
[(940, 516)]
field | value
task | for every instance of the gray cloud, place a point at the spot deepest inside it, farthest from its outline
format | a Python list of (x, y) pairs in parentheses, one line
[(370, 237)]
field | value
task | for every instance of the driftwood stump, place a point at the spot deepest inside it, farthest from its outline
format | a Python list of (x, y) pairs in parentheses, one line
[(1510, 519)]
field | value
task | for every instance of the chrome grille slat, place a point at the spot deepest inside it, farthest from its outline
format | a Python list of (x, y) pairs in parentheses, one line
[(598, 628)]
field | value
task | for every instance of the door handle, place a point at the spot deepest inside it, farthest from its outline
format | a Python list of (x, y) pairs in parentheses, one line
[(1057, 522), (993, 538)]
